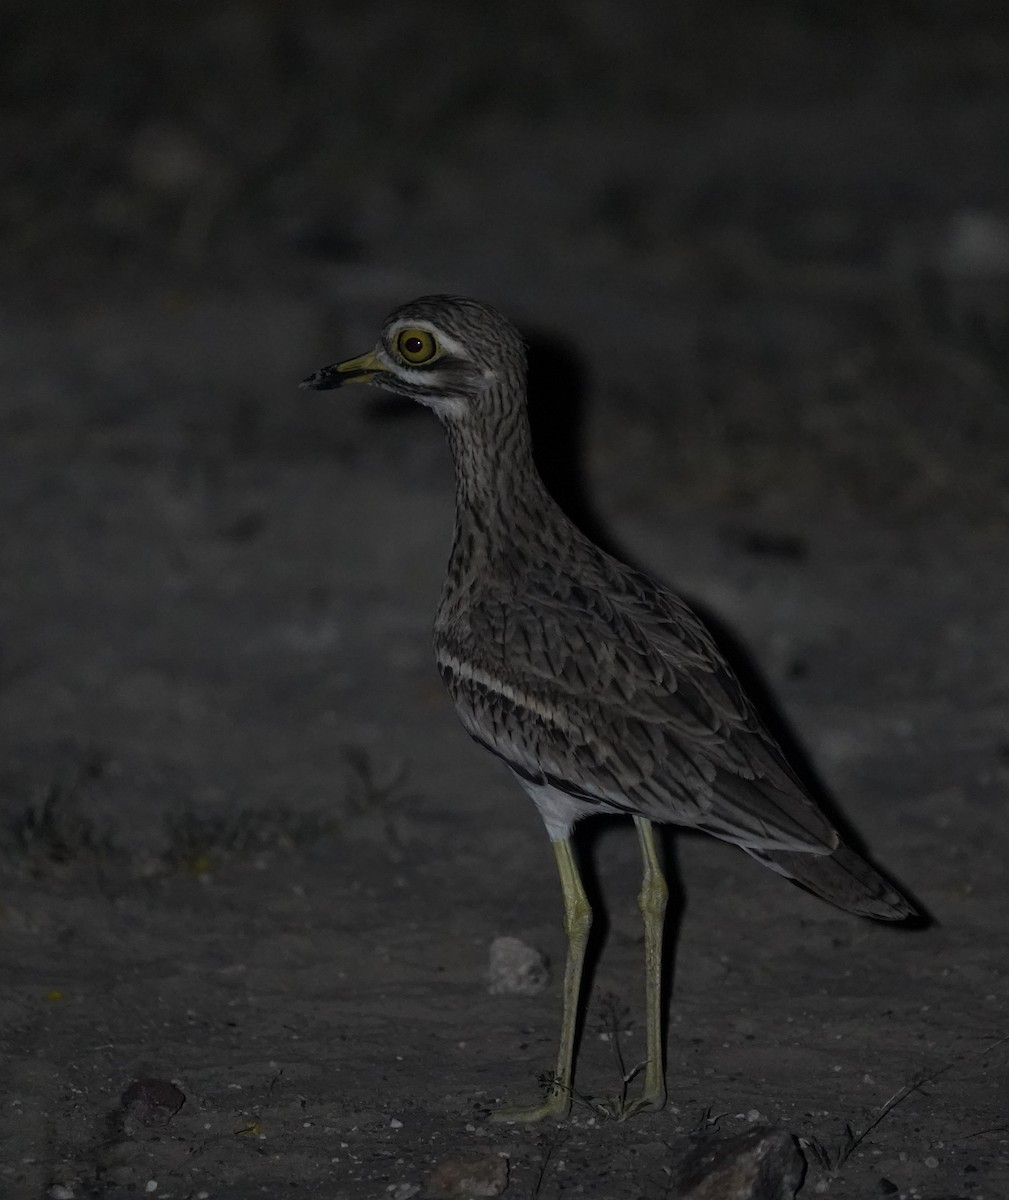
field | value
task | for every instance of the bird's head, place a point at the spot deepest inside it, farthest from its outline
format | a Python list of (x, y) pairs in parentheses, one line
[(443, 351)]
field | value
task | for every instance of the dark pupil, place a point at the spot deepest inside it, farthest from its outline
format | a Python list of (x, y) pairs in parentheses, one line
[(414, 345)]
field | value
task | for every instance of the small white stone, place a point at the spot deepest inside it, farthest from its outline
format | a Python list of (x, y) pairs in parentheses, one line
[(516, 969), (151, 1185), (394, 1124)]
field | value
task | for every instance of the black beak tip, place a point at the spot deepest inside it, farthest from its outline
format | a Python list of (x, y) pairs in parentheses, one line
[(321, 381)]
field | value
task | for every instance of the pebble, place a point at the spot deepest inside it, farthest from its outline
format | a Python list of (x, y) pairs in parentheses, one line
[(516, 969), (469, 1178), (763, 1164)]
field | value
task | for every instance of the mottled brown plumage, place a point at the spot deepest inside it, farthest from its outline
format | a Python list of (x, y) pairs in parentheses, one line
[(600, 689)]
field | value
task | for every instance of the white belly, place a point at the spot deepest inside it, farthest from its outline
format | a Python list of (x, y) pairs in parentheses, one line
[(559, 810)]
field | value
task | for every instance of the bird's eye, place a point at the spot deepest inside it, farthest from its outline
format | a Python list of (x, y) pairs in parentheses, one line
[(416, 345)]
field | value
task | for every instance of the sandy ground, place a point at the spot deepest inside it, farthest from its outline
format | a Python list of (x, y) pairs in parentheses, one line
[(763, 259)]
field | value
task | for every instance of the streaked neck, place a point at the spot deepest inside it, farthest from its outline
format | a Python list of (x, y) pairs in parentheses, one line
[(498, 489)]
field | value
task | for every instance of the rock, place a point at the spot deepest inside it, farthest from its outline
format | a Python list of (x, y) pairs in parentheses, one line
[(762, 1164), (516, 969), (151, 1102), (469, 1178)]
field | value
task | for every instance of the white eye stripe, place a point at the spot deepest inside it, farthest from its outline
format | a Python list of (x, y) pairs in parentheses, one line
[(415, 375), (450, 345)]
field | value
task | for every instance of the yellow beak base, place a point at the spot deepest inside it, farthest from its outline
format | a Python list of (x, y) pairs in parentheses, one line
[(362, 369)]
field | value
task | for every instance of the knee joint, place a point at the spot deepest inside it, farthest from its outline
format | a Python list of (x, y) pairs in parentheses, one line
[(578, 919), (653, 896)]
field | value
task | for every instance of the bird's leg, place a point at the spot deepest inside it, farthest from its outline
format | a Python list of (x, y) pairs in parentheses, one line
[(577, 923), (652, 902)]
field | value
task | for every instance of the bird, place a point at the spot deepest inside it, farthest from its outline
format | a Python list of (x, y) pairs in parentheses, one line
[(599, 688)]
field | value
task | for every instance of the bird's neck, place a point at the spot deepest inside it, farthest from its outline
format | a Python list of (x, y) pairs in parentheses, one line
[(498, 488)]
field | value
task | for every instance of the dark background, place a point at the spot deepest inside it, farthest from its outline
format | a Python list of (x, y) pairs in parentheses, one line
[(761, 252)]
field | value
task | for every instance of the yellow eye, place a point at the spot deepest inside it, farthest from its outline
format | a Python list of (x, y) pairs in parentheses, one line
[(416, 345)]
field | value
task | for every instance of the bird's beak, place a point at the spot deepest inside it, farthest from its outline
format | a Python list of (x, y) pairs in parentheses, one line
[(362, 369)]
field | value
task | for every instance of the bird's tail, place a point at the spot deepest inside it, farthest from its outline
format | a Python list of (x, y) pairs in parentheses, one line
[(842, 878)]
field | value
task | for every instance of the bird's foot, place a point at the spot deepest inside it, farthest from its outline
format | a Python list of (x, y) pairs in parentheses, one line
[(555, 1107), (620, 1108), (649, 1101)]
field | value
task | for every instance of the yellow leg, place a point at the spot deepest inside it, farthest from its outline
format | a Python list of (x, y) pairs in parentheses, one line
[(577, 922), (652, 902)]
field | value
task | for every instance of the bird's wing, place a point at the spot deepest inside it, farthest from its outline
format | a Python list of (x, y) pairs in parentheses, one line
[(608, 687)]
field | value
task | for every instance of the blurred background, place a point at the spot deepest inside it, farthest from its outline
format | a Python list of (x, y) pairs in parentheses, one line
[(775, 234)]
